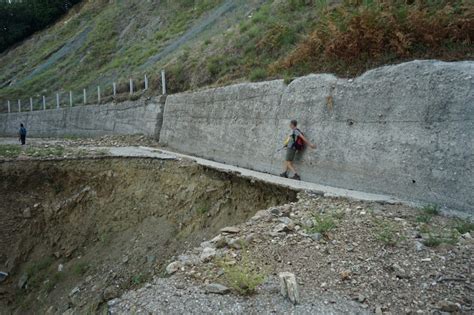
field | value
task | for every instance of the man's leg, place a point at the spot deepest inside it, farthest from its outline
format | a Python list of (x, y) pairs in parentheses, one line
[(291, 167), (285, 169)]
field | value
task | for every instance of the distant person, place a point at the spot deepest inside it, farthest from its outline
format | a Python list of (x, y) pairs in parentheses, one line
[(22, 134), (294, 143)]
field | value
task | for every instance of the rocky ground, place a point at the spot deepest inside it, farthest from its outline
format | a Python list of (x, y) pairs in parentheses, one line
[(348, 257)]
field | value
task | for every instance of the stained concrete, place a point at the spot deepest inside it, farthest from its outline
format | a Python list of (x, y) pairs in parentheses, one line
[(403, 130), (143, 116)]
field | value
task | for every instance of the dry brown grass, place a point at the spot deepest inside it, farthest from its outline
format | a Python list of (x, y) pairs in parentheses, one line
[(352, 37)]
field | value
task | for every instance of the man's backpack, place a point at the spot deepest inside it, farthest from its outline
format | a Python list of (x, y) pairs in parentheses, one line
[(298, 143)]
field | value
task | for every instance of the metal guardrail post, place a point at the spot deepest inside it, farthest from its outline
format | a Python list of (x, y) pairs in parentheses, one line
[(163, 82), (131, 86), (70, 98), (31, 104), (146, 82), (19, 106), (114, 85), (9, 107), (85, 96), (57, 100), (98, 94), (44, 102)]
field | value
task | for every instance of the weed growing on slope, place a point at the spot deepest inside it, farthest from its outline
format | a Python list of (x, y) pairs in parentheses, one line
[(243, 276), (387, 232), (322, 224)]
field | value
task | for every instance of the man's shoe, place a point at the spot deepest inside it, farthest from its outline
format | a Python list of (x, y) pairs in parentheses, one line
[(296, 177), (284, 174)]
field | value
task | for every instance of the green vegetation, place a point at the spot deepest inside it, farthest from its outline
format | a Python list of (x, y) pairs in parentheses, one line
[(464, 226), (138, 279), (279, 39), (387, 232), (37, 271), (9, 150), (242, 276), (19, 19), (81, 268), (322, 224), (437, 237), (431, 210), (427, 213)]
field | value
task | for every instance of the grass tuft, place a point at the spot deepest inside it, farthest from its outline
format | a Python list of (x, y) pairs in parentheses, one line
[(243, 277)]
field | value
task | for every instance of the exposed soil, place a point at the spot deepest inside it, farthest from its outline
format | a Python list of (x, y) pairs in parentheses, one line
[(75, 233)]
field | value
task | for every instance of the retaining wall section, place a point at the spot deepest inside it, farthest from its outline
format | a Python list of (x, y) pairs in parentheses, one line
[(404, 130), (143, 116)]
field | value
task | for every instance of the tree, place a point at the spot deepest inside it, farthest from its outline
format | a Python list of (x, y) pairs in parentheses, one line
[(20, 19)]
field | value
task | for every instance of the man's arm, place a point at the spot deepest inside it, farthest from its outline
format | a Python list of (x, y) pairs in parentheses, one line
[(311, 145)]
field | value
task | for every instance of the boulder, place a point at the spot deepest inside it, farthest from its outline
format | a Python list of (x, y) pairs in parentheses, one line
[(289, 287), (173, 267)]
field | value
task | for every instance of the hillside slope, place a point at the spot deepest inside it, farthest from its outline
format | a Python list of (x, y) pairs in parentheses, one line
[(209, 42)]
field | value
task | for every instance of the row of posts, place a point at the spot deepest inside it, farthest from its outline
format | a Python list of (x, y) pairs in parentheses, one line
[(114, 86)]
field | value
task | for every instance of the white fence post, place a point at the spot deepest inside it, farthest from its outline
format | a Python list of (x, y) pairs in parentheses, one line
[(31, 104), (115, 88), (85, 96), (146, 82), (19, 106), (98, 94), (44, 102), (70, 98), (9, 109), (57, 100), (163, 82), (131, 86)]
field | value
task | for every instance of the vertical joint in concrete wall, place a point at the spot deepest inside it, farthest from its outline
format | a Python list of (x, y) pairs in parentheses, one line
[(19, 106), (98, 94), (85, 96), (57, 100), (44, 102), (114, 85), (146, 82), (131, 86), (70, 98), (163, 82), (31, 104)]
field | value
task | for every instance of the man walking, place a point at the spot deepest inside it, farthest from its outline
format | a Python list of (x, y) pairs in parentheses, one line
[(22, 134), (294, 143)]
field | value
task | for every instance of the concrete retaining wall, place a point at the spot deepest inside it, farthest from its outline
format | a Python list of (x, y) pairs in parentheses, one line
[(144, 116), (404, 130)]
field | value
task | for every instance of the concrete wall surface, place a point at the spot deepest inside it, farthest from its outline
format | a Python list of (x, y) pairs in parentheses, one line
[(405, 130), (143, 116)]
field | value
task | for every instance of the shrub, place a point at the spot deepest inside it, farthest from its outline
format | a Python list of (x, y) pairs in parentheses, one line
[(440, 236), (431, 210), (387, 233), (258, 74), (464, 226), (243, 276), (322, 224)]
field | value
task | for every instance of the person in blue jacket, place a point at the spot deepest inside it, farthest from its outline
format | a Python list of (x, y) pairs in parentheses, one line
[(22, 134)]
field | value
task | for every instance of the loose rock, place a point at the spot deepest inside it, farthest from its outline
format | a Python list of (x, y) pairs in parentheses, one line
[(217, 288), (289, 287)]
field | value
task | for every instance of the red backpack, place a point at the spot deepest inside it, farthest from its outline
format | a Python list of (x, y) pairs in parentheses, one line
[(298, 143)]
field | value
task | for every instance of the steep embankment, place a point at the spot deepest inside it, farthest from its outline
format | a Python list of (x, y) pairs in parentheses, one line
[(209, 42)]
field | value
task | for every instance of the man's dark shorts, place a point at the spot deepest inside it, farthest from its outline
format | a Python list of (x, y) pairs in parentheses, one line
[(290, 154)]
